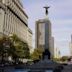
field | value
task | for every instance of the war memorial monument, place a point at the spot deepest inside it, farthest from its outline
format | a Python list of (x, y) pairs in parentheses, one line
[(45, 64)]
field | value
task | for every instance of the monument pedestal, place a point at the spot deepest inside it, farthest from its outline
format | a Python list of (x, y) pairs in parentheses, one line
[(46, 65)]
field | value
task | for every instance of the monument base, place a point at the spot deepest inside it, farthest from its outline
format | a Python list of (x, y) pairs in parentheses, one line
[(46, 65)]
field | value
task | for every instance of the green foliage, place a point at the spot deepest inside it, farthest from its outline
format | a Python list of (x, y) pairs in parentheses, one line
[(3, 41), (21, 48), (64, 58), (6, 47), (37, 54), (16, 48), (56, 59)]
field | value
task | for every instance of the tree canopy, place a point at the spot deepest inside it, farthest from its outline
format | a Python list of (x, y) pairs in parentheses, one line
[(37, 54), (21, 48), (15, 47)]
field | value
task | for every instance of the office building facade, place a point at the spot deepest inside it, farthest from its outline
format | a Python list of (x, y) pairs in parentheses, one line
[(52, 46), (70, 46), (13, 19), (29, 38)]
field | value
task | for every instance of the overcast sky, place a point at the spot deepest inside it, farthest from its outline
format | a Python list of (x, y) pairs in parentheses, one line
[(60, 15)]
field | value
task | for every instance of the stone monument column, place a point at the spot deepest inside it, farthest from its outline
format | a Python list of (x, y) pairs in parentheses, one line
[(46, 53), (43, 34)]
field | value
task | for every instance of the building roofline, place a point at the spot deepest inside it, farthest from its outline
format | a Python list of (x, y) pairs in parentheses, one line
[(30, 30), (21, 9), (16, 15)]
